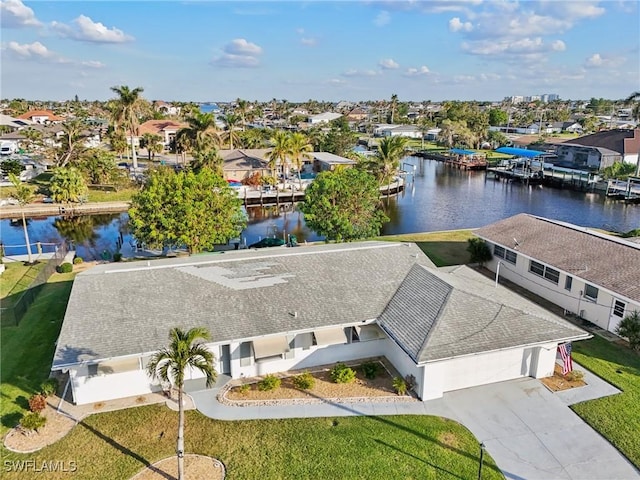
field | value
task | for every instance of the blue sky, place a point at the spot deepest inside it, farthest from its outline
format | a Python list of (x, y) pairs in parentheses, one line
[(346, 50)]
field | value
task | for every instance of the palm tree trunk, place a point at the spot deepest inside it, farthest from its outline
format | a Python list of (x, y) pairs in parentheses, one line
[(134, 158), (26, 238), (180, 442)]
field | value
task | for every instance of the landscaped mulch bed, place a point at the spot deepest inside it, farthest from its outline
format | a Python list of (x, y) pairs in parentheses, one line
[(324, 388), (196, 467), (57, 426), (558, 382)]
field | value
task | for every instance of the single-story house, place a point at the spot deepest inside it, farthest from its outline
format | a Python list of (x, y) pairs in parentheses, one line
[(325, 161), (166, 108), (625, 142), (14, 123), (408, 131), (325, 117), (590, 274), (583, 157), (41, 116), (279, 309), (239, 164)]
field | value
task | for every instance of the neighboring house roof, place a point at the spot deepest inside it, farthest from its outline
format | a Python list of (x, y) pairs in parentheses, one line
[(439, 314), (602, 260), (332, 159), (41, 113), (245, 159), (12, 122), (404, 128), (602, 150), (157, 126), (324, 117), (619, 140)]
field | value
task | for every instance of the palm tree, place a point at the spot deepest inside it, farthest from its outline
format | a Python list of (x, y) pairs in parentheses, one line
[(299, 149), (387, 158), (394, 106), (280, 151), (24, 195), (242, 106), (201, 134), (125, 113), (151, 141), (169, 365), (231, 121)]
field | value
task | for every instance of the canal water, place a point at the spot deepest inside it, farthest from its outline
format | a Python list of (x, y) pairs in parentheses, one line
[(437, 197)]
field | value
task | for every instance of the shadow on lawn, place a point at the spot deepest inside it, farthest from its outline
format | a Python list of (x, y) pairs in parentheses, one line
[(406, 429), (125, 450), (418, 458)]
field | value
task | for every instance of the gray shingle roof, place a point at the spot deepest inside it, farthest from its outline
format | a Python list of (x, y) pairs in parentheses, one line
[(129, 308), (598, 259), (439, 314)]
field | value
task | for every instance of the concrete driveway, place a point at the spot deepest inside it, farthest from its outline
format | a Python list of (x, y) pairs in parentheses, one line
[(530, 432)]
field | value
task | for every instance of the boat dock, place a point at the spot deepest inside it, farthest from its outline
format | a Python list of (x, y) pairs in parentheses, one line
[(628, 190)]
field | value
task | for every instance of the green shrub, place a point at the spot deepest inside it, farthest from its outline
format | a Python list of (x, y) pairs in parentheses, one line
[(49, 387), (342, 374), (399, 385), (117, 257), (66, 267), (270, 382), (370, 370), (37, 403), (77, 260), (33, 421), (410, 381), (304, 381), (244, 389)]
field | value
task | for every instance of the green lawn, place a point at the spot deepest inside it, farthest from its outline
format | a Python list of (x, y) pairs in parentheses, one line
[(27, 350), (17, 277), (443, 248), (616, 417), (118, 444), (122, 195)]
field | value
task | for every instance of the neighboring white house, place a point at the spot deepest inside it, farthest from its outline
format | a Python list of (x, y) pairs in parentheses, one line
[(285, 308), (587, 273), (408, 131), (323, 118)]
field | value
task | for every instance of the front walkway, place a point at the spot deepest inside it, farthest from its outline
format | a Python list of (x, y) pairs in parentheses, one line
[(529, 431)]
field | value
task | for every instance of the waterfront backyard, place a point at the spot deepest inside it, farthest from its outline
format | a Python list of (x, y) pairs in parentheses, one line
[(118, 444)]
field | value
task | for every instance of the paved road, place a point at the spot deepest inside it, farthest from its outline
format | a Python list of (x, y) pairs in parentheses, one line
[(530, 432)]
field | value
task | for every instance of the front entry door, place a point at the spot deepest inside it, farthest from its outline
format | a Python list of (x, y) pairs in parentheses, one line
[(225, 359)]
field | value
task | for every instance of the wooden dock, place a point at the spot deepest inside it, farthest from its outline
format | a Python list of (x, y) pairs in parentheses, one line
[(628, 190)]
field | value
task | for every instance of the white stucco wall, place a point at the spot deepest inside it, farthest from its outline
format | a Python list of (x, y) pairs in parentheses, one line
[(484, 368), (405, 365), (599, 311), (109, 386)]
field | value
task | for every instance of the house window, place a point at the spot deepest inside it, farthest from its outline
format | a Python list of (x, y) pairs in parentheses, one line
[(590, 292), (93, 369), (618, 308), (510, 256), (498, 251), (568, 281), (537, 268), (552, 275), (546, 272), (245, 354)]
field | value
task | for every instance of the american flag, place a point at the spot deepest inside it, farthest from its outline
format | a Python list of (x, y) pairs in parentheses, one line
[(565, 353)]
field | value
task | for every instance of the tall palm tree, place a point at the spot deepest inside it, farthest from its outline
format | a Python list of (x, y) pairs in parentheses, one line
[(299, 149), (169, 365), (241, 107), (24, 196), (280, 151), (151, 141), (387, 157), (231, 121), (201, 134), (125, 113), (394, 106)]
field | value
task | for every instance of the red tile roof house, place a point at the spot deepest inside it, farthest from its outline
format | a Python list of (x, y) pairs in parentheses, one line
[(167, 129), (281, 309), (587, 273), (41, 116)]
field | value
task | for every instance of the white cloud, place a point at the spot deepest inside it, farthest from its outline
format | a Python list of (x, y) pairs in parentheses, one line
[(463, 79), (382, 19), (93, 64), (598, 60), (415, 72), (525, 48), (456, 25), (239, 53), (34, 50), (360, 73), (336, 81), (558, 46), (14, 14), (86, 30), (309, 42), (240, 46), (388, 64)]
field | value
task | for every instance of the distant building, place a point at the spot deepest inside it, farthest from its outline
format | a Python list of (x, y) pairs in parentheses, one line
[(323, 118), (41, 116), (545, 98), (167, 129), (624, 142)]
